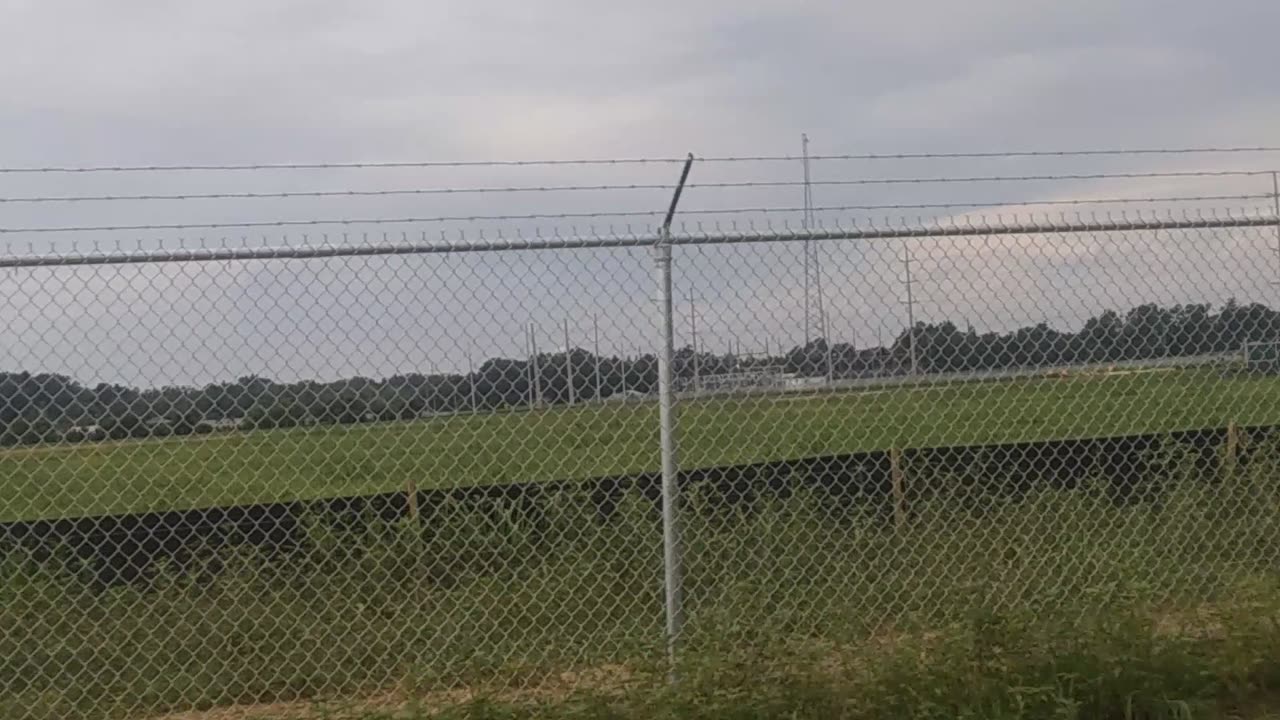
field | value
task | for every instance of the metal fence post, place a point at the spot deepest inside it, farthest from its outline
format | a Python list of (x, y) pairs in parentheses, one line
[(672, 559)]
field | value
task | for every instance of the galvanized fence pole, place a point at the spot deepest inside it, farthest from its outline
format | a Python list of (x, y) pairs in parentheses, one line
[(672, 559)]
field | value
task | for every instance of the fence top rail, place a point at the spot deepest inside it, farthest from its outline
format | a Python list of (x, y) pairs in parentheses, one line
[(715, 236)]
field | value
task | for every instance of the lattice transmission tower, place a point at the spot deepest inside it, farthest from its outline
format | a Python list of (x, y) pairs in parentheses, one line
[(815, 317)]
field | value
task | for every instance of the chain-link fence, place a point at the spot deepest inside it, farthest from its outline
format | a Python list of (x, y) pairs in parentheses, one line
[(344, 470)]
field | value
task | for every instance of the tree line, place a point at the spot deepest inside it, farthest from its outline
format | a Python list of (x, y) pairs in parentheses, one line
[(43, 407)]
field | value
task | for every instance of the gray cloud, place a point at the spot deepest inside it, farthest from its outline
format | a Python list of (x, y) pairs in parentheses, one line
[(150, 82)]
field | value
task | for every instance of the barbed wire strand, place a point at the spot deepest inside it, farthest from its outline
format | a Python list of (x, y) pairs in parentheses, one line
[(251, 167), (944, 179), (335, 165), (329, 193), (994, 154), (622, 214), (610, 188), (997, 203)]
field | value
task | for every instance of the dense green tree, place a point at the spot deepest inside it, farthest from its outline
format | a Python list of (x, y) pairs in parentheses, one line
[(43, 407)]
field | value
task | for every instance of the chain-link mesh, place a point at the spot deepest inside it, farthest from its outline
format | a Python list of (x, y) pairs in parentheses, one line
[(248, 481)]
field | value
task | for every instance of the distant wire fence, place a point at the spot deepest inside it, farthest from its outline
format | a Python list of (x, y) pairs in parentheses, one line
[(321, 465), (734, 189)]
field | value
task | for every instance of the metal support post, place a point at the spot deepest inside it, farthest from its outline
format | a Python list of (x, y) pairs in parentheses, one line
[(671, 546)]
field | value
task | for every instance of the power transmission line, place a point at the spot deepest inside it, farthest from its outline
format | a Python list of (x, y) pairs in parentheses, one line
[(373, 165), (941, 179)]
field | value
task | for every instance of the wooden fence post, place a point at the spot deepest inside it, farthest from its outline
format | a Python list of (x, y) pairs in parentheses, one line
[(411, 499), (1232, 450), (899, 479)]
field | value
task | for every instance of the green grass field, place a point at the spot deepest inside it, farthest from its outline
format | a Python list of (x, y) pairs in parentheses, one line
[(1059, 605), (597, 440)]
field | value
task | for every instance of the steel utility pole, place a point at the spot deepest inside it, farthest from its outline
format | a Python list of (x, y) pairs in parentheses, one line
[(814, 310), (537, 372), (911, 311), (693, 331), (1275, 199), (471, 374), (568, 363), (627, 364), (880, 344), (595, 342), (824, 320), (804, 224), (528, 355), (826, 341)]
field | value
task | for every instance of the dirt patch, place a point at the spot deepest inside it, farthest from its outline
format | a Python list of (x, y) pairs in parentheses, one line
[(606, 679), (388, 703)]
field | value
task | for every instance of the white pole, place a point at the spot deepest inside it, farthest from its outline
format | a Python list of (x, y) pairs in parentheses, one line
[(693, 331), (826, 339), (880, 344), (528, 353), (537, 371), (595, 341), (627, 362), (804, 246), (911, 313), (672, 561), (822, 318), (568, 362), (471, 373)]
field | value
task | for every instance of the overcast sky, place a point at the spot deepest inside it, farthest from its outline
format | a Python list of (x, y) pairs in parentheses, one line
[(131, 82)]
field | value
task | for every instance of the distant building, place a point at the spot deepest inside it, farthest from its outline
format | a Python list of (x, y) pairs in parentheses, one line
[(749, 378), (792, 382), (81, 433)]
